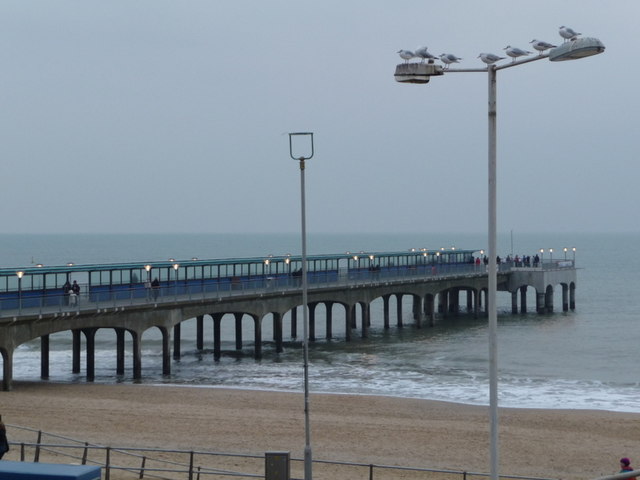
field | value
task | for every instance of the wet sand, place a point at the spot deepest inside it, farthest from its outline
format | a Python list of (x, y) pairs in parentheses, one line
[(567, 444)]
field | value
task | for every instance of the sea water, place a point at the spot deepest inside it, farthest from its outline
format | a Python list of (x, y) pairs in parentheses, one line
[(582, 359)]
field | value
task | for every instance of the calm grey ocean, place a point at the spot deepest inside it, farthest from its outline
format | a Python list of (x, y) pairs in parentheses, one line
[(586, 359)]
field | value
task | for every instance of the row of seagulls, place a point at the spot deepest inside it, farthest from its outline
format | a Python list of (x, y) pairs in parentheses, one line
[(569, 34)]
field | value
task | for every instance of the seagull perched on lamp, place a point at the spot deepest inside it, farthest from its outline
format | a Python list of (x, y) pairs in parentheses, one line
[(541, 46), (449, 58), (489, 58), (406, 55), (568, 33), (423, 53), (514, 52)]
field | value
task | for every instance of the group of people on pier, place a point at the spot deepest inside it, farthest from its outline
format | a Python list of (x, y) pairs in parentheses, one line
[(517, 261)]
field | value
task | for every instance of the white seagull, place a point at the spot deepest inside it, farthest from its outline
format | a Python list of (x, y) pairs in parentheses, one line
[(514, 52), (489, 58), (568, 33), (449, 58), (423, 53), (406, 55), (541, 46)]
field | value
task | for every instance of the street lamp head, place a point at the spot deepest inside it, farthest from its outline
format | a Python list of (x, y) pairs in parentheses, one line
[(576, 49), (20, 273), (302, 142), (147, 267)]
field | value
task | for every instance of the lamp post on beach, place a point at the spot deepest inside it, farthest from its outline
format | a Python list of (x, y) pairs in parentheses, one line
[(298, 138), (421, 73)]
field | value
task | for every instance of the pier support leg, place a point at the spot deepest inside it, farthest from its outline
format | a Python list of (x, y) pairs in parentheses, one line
[(399, 322), (540, 302), (476, 303), (523, 299), (469, 300), (90, 337), (7, 369), (294, 322), (565, 298), (385, 310), (312, 321), (429, 310), (75, 355), (548, 300), (572, 296), (514, 302), (217, 321), (277, 331), (177, 339), (44, 357), (329, 324), (366, 318), (238, 317), (200, 332), (137, 355), (166, 351), (257, 337), (348, 313), (120, 332)]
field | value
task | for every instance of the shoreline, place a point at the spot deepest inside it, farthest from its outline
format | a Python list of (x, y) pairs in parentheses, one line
[(384, 430)]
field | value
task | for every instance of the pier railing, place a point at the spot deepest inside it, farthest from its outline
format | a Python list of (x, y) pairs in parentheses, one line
[(123, 463), (94, 298)]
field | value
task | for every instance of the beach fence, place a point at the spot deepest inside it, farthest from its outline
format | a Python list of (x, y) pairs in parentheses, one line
[(131, 463)]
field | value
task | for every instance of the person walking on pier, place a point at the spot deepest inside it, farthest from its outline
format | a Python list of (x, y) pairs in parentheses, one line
[(155, 286), (4, 443)]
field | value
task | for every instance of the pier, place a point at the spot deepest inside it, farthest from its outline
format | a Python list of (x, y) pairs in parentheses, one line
[(132, 298)]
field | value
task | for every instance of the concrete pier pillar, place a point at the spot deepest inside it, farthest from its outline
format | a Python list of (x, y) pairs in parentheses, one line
[(238, 318), (548, 300), (476, 303), (572, 297), (354, 316), (348, 313), (454, 301), (200, 332), (565, 298), (399, 321), (469, 300), (137, 355), (7, 369), (277, 331), (166, 351), (120, 333), (217, 322), (329, 324), (429, 310), (366, 318), (523, 299), (90, 337), (385, 310), (177, 340), (257, 335), (75, 353), (514, 302), (540, 297), (44, 356), (294, 322), (312, 321)]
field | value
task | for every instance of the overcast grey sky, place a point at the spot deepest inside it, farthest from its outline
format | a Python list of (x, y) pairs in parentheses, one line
[(171, 116)]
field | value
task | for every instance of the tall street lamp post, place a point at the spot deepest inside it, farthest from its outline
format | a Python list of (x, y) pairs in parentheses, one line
[(20, 274), (421, 73), (298, 138)]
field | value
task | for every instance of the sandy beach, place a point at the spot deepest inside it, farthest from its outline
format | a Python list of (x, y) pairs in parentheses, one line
[(567, 444)]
